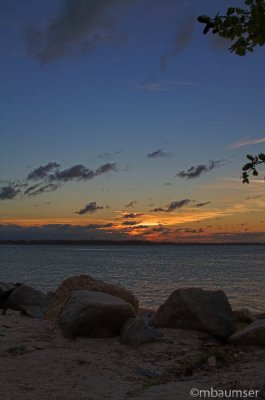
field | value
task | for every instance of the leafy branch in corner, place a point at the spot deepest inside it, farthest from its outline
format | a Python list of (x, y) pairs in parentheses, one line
[(250, 167), (245, 27)]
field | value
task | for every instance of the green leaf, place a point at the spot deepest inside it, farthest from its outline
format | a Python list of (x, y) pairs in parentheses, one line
[(250, 157), (262, 156), (247, 166), (230, 10)]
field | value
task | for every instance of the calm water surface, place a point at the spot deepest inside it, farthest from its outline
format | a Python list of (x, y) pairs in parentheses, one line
[(151, 272)]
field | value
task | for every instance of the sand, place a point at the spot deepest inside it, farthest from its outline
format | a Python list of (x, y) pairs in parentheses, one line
[(38, 363)]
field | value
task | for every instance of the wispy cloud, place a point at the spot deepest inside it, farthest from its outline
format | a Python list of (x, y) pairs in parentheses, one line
[(132, 215), (9, 192), (246, 142), (130, 223), (172, 206), (181, 40), (89, 208), (196, 171), (60, 231), (80, 25), (43, 171), (50, 177), (202, 204), (164, 86), (131, 204), (160, 153)]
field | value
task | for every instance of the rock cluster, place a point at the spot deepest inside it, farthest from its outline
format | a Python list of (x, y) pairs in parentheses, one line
[(84, 306), (86, 282)]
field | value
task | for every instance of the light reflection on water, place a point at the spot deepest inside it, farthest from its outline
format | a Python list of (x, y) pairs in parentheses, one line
[(151, 272)]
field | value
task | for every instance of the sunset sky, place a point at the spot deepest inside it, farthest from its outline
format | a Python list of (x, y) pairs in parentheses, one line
[(121, 120)]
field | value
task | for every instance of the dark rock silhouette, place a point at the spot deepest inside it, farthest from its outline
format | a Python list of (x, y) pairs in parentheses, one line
[(94, 314), (197, 309)]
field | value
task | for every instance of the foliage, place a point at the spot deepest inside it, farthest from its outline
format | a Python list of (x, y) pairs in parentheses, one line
[(245, 27), (250, 167)]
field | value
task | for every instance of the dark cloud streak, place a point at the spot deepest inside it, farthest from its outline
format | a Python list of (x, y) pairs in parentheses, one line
[(174, 205), (196, 171), (89, 208), (158, 154), (81, 25)]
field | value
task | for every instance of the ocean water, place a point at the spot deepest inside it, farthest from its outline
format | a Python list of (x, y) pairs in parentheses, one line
[(151, 272)]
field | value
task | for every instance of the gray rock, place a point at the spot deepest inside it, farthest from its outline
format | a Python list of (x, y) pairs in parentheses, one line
[(86, 282), (29, 301), (253, 334), (197, 309), (5, 291), (136, 332), (94, 314), (243, 315)]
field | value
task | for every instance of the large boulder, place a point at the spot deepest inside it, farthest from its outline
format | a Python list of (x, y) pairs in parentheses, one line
[(5, 291), (197, 309), (253, 334), (29, 301), (136, 331), (94, 314), (86, 282), (243, 317)]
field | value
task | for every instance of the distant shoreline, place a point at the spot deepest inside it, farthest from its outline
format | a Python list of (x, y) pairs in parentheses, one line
[(121, 243)]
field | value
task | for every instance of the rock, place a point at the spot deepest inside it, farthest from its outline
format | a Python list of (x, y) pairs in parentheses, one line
[(86, 282), (136, 332), (5, 291), (29, 301), (197, 309), (94, 314), (146, 313), (243, 315), (4, 287), (253, 334)]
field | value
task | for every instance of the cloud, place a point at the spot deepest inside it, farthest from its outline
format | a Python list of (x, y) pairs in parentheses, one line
[(50, 178), (80, 25), (157, 229), (163, 86), (246, 142), (89, 208), (43, 171), (189, 230), (195, 172), (182, 38), (76, 172), (108, 155), (132, 215), (130, 223), (202, 204), (158, 154), (131, 204), (109, 167), (172, 206), (40, 188), (60, 232), (254, 197), (9, 192)]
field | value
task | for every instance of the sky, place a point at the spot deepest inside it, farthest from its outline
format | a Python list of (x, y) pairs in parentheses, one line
[(121, 120)]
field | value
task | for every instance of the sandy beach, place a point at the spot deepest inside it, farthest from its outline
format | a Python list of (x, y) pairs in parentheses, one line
[(37, 362)]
